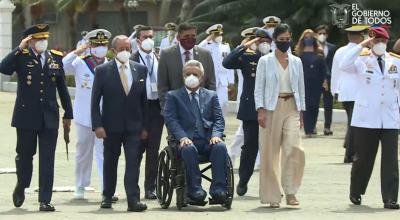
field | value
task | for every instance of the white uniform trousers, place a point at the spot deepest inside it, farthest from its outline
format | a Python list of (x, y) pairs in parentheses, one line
[(86, 141), (282, 157), (222, 92)]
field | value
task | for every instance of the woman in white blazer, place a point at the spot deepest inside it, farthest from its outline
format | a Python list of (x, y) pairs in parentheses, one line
[(279, 99)]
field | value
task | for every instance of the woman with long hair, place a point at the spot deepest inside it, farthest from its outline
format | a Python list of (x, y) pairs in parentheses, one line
[(315, 73), (279, 98)]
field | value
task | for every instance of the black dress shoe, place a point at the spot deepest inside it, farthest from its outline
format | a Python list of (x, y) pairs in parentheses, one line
[(348, 159), (327, 132), (356, 200), (241, 190), (18, 196), (151, 195), (46, 207), (106, 203), (198, 196), (391, 205), (136, 207), (219, 197), (114, 199)]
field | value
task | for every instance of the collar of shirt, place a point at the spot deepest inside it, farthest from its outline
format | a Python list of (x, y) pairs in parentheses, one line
[(183, 50), (190, 93), (127, 66), (144, 54), (42, 56)]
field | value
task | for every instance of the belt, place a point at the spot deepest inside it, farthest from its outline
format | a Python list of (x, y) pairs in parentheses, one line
[(286, 96)]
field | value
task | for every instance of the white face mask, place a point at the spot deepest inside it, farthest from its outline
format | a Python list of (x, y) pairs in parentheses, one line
[(218, 39), (148, 44), (264, 47), (253, 47), (123, 56), (322, 38), (192, 82), (41, 46), (171, 33), (379, 48), (99, 52)]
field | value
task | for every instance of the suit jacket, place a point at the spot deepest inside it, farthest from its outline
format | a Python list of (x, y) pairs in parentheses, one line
[(136, 56), (120, 113), (180, 119), (36, 104), (266, 90), (246, 61), (170, 70)]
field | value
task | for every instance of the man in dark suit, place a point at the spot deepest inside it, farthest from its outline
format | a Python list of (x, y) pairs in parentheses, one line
[(121, 84), (36, 116), (173, 58), (146, 56), (329, 51), (246, 60), (194, 119)]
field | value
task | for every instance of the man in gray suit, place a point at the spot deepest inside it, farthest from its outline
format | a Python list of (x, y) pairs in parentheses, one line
[(172, 59)]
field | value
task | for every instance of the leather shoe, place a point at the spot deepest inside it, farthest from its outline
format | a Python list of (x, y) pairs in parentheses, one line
[(136, 207), (46, 207), (198, 196), (355, 199), (327, 132), (106, 203), (391, 205), (219, 197), (18, 196), (151, 195), (241, 190), (114, 199)]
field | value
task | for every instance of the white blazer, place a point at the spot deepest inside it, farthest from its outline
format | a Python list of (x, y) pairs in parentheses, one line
[(267, 89), (377, 97), (343, 83)]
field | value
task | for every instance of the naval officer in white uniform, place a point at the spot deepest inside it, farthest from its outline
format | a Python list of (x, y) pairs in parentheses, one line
[(224, 78), (170, 39)]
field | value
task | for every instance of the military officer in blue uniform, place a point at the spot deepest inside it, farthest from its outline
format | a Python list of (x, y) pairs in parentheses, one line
[(36, 116), (245, 57)]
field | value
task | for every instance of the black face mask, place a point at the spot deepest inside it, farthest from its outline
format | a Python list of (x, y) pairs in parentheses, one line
[(283, 45)]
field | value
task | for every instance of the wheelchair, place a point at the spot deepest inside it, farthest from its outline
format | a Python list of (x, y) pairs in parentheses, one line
[(171, 176)]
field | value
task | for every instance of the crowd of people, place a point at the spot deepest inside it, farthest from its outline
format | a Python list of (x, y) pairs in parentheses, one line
[(126, 100)]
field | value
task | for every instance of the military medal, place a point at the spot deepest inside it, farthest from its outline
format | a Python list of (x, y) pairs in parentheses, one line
[(392, 69)]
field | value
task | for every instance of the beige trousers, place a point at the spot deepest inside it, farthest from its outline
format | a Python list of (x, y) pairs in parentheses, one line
[(282, 157)]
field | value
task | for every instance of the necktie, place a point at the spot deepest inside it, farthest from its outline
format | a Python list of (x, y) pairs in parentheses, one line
[(124, 79), (187, 56), (38, 57), (380, 62), (197, 114), (149, 66)]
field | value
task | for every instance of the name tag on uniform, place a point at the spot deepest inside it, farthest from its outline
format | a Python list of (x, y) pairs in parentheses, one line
[(153, 87)]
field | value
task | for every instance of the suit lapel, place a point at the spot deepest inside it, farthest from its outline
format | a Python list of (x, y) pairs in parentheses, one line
[(195, 53), (202, 99), (134, 76), (186, 99), (178, 54)]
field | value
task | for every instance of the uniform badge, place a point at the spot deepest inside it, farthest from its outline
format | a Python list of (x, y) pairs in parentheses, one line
[(54, 66), (36, 61), (30, 65), (253, 75), (392, 69), (368, 80), (53, 78), (253, 63)]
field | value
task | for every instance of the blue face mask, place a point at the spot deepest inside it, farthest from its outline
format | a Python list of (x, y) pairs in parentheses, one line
[(309, 41)]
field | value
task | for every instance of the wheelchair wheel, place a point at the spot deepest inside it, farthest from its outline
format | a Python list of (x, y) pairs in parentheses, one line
[(230, 184), (165, 178)]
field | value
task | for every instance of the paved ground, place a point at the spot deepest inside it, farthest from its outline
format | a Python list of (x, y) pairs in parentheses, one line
[(323, 195)]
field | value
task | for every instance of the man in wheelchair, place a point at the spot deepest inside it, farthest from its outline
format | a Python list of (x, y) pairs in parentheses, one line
[(194, 118)]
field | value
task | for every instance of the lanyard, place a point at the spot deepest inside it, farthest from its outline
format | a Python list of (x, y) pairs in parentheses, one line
[(152, 65)]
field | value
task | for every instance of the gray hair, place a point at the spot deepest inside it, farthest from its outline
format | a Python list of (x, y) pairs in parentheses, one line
[(116, 39), (194, 63)]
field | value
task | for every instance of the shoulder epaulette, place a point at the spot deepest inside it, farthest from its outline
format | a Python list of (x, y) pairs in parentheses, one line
[(395, 55), (250, 51), (25, 51), (56, 52), (365, 52)]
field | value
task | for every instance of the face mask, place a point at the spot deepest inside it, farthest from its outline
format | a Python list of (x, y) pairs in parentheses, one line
[(264, 48), (188, 44), (283, 45), (148, 44), (41, 46), (192, 82), (322, 38), (123, 56), (99, 52), (253, 47), (170, 33), (218, 39), (379, 48), (308, 42)]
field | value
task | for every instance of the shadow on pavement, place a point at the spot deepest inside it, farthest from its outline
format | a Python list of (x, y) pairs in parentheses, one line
[(21, 211), (362, 209), (267, 209)]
